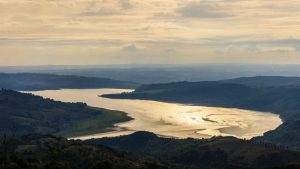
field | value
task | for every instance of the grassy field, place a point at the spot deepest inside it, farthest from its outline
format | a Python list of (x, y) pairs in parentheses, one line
[(104, 122)]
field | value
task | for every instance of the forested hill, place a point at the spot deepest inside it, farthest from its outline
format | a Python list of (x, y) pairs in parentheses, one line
[(281, 100), (50, 152), (214, 153), (142, 150), (279, 95), (266, 81), (30, 81), (22, 113)]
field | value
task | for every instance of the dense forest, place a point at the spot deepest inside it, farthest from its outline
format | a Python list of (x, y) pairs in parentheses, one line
[(50, 152), (266, 81), (25, 113), (142, 150), (279, 95), (217, 152), (31, 81)]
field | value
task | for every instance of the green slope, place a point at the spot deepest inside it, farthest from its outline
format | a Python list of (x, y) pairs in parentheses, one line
[(22, 113)]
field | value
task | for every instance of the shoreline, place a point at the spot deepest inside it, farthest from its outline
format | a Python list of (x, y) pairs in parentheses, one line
[(180, 120)]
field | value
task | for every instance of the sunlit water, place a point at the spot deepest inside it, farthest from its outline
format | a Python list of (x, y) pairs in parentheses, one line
[(169, 119)]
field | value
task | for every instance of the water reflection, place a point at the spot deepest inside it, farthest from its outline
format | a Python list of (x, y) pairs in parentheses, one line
[(169, 119)]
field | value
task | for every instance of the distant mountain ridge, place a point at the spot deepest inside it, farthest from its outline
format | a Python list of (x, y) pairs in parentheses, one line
[(32, 81), (266, 81), (148, 74)]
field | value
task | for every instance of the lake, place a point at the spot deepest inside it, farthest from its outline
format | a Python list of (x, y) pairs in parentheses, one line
[(170, 119)]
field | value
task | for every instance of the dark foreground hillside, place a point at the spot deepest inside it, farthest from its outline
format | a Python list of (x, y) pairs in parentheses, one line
[(217, 153), (22, 113), (280, 95), (31, 81), (49, 152), (141, 150)]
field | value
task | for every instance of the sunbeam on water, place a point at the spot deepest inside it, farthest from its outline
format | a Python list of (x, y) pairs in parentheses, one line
[(169, 119)]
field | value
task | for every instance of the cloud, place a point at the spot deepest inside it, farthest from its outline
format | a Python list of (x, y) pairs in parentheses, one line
[(129, 48), (277, 43), (295, 43), (252, 43), (170, 50), (287, 49), (202, 9), (168, 31), (125, 4), (107, 8), (60, 42), (100, 12)]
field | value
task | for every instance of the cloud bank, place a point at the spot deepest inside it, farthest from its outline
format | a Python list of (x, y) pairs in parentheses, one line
[(151, 31)]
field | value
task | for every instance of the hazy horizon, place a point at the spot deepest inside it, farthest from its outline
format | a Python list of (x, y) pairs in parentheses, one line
[(163, 73), (154, 65)]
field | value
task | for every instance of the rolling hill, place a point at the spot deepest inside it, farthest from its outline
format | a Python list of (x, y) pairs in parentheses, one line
[(217, 152), (31, 81), (50, 152), (22, 113), (266, 81)]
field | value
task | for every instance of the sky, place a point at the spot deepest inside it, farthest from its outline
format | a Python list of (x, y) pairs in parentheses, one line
[(91, 32)]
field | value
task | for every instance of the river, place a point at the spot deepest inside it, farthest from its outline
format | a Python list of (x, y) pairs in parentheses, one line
[(170, 119)]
